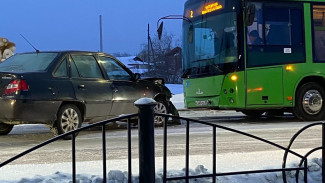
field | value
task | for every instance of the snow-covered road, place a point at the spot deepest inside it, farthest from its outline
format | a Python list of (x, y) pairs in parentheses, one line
[(235, 153)]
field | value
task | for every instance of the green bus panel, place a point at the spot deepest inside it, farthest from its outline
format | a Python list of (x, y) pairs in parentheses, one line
[(265, 86), (202, 87), (202, 92), (232, 95)]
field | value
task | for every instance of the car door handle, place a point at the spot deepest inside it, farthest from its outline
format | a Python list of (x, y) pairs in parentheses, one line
[(81, 87), (115, 90)]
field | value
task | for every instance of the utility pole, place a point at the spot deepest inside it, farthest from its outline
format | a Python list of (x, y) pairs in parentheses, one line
[(100, 33), (149, 65)]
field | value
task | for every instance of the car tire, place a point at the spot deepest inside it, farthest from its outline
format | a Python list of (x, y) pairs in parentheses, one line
[(173, 111), (161, 108), (309, 105), (5, 129), (252, 113), (68, 118)]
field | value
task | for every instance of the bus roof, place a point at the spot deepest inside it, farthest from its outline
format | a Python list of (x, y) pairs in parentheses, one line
[(191, 1)]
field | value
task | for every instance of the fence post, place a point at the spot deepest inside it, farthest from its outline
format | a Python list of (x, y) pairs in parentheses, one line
[(146, 140)]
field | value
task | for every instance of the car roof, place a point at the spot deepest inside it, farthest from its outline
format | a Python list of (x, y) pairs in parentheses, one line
[(67, 52)]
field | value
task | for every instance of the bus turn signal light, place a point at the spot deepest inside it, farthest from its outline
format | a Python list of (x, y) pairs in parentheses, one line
[(289, 68), (289, 98), (234, 77)]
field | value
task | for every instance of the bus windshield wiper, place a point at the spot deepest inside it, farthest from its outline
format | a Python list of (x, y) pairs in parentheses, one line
[(218, 68)]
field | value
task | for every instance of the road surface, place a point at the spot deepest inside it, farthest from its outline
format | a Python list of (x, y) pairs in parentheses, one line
[(275, 129)]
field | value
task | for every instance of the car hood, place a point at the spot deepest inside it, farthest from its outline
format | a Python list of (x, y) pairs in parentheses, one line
[(158, 84)]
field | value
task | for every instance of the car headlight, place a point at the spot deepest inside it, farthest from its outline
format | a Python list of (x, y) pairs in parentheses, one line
[(159, 81)]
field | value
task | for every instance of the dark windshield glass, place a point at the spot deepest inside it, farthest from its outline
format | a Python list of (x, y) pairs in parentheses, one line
[(210, 40), (28, 62)]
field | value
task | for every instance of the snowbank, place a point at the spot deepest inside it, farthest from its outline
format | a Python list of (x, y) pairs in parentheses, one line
[(117, 176), (175, 88), (178, 101)]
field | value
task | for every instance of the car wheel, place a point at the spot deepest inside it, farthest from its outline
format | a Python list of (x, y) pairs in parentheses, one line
[(309, 104), (162, 109), (5, 128), (252, 113), (174, 112), (68, 119)]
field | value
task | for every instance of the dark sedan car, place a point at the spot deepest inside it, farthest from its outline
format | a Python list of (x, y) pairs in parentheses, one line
[(63, 89)]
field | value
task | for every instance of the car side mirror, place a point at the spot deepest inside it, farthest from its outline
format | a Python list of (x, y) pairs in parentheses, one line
[(160, 30), (137, 76), (250, 15)]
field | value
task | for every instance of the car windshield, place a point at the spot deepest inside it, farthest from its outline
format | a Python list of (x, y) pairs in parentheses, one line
[(210, 40), (27, 62)]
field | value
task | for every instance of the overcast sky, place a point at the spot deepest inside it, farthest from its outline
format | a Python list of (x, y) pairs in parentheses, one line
[(74, 24)]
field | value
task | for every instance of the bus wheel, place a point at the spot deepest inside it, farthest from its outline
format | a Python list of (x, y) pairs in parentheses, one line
[(309, 102), (252, 113)]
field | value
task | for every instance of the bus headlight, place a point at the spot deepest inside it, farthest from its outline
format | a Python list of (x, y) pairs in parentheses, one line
[(234, 77), (289, 68)]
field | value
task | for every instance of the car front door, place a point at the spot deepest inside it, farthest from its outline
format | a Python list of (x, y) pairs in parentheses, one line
[(90, 86), (124, 88)]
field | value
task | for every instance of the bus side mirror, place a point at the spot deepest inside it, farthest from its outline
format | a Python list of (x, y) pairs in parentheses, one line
[(160, 30), (250, 14)]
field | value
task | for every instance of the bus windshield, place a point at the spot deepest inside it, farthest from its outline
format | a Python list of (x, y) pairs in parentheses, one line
[(210, 39)]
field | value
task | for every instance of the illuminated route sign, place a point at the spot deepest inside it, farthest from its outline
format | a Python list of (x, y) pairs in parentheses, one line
[(211, 7), (199, 9)]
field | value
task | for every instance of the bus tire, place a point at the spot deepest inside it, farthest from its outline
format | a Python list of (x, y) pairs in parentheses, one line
[(252, 113), (309, 104)]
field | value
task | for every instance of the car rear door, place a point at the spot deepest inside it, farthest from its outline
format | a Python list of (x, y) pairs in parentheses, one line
[(90, 86)]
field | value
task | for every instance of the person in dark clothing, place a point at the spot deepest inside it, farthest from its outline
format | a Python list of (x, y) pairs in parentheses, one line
[(255, 38)]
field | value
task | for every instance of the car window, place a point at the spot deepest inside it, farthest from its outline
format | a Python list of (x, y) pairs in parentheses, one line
[(87, 66), (74, 70), (27, 62), (62, 70), (114, 70)]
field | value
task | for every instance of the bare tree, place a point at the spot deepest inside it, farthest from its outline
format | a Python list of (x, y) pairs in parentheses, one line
[(165, 58)]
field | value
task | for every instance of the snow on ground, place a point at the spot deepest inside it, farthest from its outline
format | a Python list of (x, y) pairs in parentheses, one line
[(178, 101), (91, 171), (178, 96)]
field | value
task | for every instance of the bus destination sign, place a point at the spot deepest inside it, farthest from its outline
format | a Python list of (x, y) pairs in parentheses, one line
[(211, 7), (205, 8)]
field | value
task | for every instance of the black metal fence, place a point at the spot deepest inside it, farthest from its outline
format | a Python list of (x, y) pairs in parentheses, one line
[(147, 151)]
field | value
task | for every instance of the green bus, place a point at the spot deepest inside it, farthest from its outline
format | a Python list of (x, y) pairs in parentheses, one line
[(255, 56)]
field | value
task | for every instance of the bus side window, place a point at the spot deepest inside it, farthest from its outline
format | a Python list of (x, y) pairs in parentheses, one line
[(276, 38), (283, 27), (255, 31), (319, 32)]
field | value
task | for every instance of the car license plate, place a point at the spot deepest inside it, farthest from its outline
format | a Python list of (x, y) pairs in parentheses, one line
[(202, 103)]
